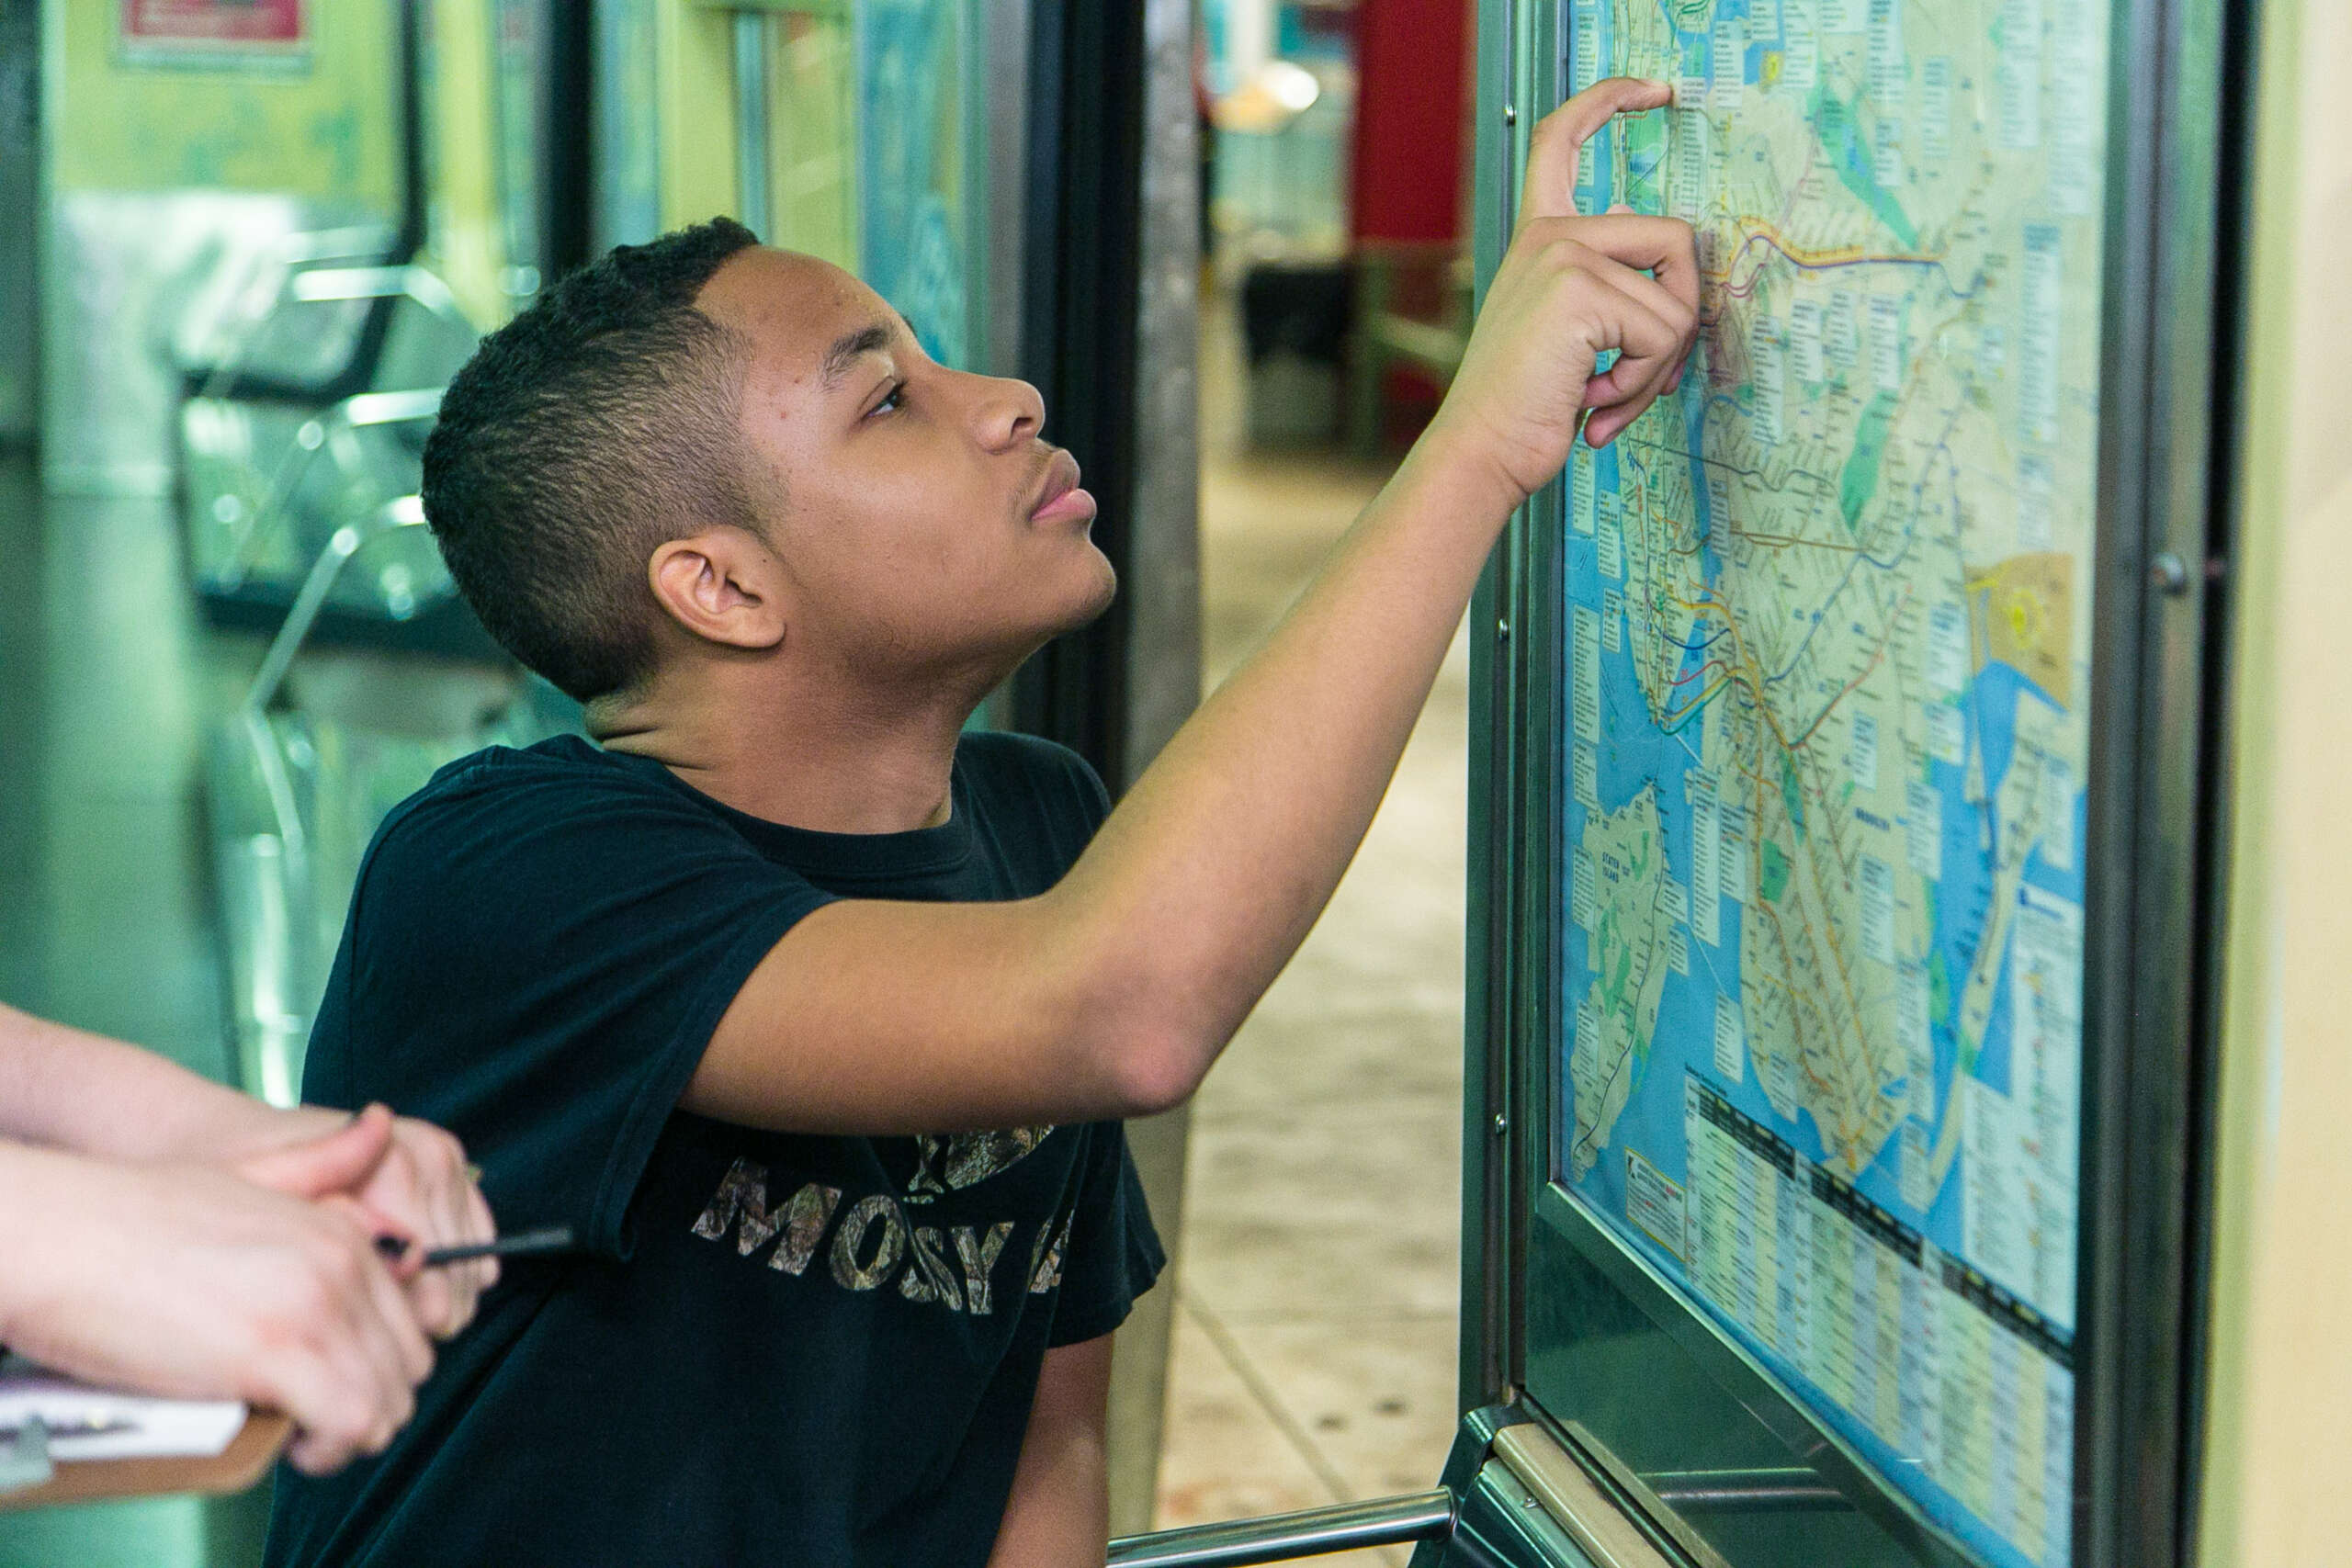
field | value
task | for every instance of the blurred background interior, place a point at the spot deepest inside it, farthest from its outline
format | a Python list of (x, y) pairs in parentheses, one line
[(251, 240), (247, 243)]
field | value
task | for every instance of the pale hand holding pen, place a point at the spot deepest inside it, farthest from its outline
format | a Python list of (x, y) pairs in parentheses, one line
[(421, 1191), (183, 1280)]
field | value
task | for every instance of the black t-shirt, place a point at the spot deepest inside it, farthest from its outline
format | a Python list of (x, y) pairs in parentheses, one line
[(776, 1348)]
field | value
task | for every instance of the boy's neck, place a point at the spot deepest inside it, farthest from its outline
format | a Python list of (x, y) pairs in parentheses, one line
[(836, 760)]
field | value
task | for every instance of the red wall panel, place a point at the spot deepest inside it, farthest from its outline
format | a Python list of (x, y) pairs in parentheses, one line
[(1406, 180)]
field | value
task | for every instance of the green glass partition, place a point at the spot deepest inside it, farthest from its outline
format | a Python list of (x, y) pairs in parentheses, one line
[(921, 146), (880, 135), (1819, 809)]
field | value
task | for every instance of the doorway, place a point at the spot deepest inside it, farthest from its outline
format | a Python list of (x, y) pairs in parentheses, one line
[(1315, 1346)]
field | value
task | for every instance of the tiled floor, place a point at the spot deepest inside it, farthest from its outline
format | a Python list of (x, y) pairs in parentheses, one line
[(1314, 1360)]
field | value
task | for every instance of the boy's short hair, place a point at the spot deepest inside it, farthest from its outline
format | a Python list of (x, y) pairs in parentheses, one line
[(594, 427)]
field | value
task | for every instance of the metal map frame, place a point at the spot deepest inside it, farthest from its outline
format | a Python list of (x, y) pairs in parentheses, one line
[(2179, 80)]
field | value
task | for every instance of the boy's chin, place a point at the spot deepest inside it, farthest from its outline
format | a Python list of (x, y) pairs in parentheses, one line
[(1085, 596), (1078, 599), (1096, 602)]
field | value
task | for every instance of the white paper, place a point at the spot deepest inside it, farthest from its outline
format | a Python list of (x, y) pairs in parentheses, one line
[(137, 1427)]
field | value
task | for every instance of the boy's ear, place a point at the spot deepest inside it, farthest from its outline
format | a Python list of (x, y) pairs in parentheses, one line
[(720, 585)]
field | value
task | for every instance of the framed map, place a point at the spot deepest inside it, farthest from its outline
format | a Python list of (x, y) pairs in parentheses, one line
[(1828, 632)]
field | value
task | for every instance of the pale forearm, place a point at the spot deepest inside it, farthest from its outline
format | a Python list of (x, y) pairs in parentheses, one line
[(42, 1185), (101, 1107), (186, 1280), (72, 1090)]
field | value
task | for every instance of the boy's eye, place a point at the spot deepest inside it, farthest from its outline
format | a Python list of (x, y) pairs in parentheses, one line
[(891, 399)]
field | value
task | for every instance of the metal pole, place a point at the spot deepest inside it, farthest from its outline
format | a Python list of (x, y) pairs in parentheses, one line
[(1161, 681), (1282, 1538)]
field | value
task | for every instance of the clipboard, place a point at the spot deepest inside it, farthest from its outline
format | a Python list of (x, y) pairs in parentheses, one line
[(244, 1462)]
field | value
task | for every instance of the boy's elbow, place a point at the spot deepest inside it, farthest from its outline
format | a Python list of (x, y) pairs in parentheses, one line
[(1140, 1051), (1152, 1069), (1132, 1007)]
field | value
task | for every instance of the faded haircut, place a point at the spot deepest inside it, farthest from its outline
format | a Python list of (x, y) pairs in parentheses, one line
[(593, 428)]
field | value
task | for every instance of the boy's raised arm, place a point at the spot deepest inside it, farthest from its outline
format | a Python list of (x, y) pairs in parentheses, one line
[(1113, 994)]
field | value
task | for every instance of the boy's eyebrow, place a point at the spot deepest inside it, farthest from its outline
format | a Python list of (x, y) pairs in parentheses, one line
[(852, 347)]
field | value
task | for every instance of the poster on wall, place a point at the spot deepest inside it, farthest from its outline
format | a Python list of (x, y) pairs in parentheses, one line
[(258, 35)]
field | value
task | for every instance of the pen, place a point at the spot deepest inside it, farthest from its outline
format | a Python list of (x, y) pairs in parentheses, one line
[(523, 1244)]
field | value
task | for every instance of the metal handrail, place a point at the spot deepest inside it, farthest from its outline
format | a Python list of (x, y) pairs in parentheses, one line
[(402, 512), (297, 252), (328, 285), (361, 410), (1283, 1538)]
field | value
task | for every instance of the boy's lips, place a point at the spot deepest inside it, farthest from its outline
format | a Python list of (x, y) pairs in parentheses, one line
[(1060, 496)]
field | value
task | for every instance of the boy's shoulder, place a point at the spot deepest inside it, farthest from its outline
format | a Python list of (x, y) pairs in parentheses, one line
[(996, 756), (566, 782), (565, 799), (562, 759), (1008, 762)]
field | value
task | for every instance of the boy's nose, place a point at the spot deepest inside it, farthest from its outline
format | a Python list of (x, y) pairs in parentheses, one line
[(1011, 413)]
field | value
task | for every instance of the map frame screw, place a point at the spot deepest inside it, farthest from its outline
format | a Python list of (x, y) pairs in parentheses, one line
[(1510, 114), (2168, 574), (1502, 1123)]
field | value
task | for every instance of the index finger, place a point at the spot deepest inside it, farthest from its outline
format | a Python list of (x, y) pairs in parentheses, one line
[(1552, 147)]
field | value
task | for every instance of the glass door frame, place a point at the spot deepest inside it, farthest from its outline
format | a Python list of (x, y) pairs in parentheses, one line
[(2177, 188)]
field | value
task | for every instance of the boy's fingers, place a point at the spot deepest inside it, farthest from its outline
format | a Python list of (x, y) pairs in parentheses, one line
[(1647, 344), (1665, 303), (1606, 424), (1552, 147), (1664, 247), (1656, 331), (1621, 395), (1652, 346)]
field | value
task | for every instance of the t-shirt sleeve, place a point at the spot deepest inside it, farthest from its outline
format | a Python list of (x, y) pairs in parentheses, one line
[(1113, 1252), (540, 967)]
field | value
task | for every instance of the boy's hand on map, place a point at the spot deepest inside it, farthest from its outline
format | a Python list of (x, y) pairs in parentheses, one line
[(1569, 290)]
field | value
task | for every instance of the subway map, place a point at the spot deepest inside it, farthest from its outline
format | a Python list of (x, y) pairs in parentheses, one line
[(1827, 652)]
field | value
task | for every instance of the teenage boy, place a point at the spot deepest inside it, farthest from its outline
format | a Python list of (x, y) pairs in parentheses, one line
[(814, 1016)]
